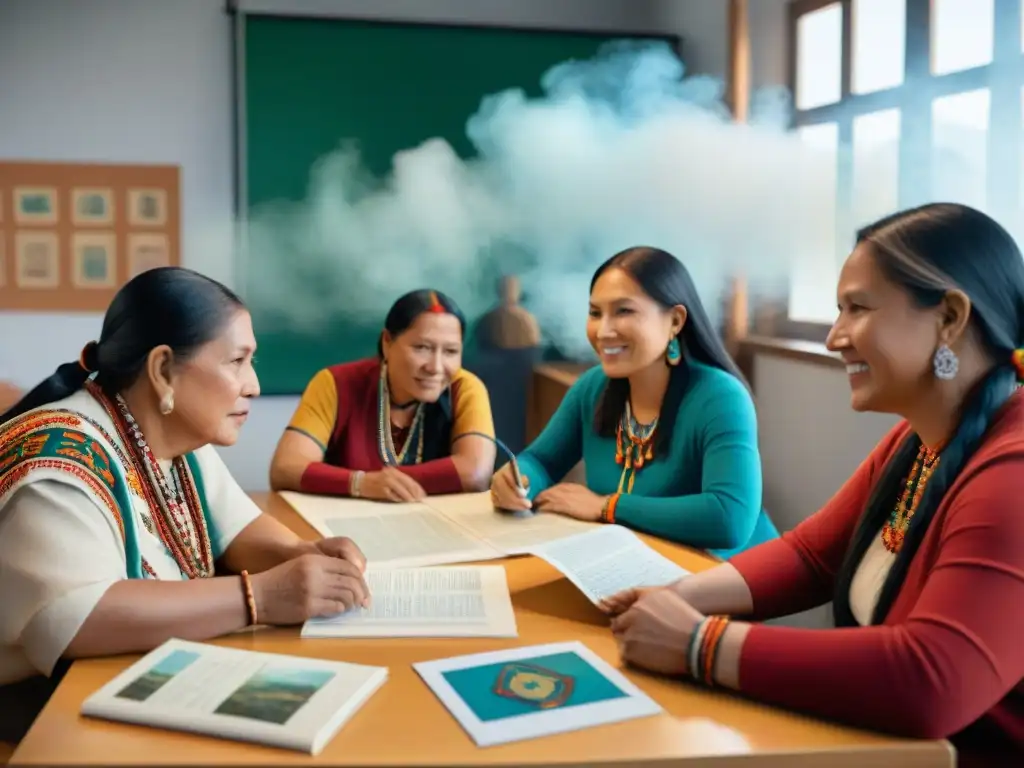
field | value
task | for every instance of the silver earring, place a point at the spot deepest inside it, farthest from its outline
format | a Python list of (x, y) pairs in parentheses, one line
[(946, 363)]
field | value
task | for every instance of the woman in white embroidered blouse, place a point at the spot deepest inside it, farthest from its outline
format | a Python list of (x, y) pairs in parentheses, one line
[(120, 526)]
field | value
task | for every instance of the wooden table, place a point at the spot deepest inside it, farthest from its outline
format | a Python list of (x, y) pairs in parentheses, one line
[(403, 724)]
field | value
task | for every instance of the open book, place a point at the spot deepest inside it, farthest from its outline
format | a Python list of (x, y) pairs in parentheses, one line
[(283, 701), (462, 528), (456, 601), (600, 559)]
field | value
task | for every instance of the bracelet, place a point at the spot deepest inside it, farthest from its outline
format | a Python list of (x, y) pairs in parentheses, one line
[(707, 648), (693, 650), (608, 509), (250, 600), (354, 483)]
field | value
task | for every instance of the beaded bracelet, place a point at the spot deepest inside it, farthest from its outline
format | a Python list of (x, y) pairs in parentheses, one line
[(354, 482), (704, 645), (608, 509), (250, 600)]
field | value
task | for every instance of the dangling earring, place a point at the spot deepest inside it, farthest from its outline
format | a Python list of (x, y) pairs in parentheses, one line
[(673, 354), (945, 363), (167, 404)]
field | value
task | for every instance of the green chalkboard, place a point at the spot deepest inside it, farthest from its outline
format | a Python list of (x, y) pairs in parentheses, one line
[(310, 85)]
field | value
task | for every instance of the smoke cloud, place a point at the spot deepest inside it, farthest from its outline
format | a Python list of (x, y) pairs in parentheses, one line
[(621, 150)]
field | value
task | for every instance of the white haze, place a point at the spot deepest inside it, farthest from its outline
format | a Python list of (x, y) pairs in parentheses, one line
[(622, 150)]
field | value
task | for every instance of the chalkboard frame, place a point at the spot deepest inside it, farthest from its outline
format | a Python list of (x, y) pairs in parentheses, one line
[(238, 96)]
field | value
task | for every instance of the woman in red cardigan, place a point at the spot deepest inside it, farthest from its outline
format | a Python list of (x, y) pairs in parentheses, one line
[(394, 427), (922, 550)]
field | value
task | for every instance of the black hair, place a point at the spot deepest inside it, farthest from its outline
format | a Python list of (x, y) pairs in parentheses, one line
[(928, 251), (664, 279), (167, 305), (437, 417)]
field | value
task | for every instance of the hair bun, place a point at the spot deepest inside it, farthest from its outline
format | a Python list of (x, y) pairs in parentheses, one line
[(89, 357)]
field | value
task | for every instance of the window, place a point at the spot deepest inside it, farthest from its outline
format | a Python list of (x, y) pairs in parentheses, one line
[(908, 101)]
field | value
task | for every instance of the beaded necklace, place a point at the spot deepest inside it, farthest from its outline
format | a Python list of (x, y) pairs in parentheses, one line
[(176, 512), (634, 446), (385, 439), (895, 528)]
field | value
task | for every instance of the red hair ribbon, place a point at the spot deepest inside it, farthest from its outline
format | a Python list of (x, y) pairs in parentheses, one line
[(435, 304), (1018, 363)]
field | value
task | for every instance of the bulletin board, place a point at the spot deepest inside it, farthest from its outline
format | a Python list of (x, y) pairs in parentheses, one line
[(71, 234)]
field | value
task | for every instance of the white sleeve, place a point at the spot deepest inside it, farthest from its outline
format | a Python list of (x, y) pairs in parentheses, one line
[(59, 553), (230, 508)]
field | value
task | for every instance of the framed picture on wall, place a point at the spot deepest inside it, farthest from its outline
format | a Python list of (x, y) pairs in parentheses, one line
[(147, 207), (37, 263), (93, 259), (147, 251), (35, 205), (92, 206)]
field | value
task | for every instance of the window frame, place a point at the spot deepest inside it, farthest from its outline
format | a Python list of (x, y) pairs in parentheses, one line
[(1003, 77)]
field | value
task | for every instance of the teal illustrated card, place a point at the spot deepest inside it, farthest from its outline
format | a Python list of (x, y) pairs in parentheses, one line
[(528, 692)]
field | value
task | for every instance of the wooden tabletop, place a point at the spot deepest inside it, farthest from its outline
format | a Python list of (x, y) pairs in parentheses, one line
[(404, 724)]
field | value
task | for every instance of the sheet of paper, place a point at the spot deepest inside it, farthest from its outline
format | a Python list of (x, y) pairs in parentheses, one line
[(608, 559), (288, 701), (523, 693), (511, 533), (393, 535), (466, 601)]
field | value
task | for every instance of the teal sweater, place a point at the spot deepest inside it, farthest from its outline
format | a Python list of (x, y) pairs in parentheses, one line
[(705, 492)]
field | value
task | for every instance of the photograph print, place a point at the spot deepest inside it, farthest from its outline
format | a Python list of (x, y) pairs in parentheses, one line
[(157, 676), (275, 693), (147, 207), (94, 263), (35, 205), (36, 260), (92, 206)]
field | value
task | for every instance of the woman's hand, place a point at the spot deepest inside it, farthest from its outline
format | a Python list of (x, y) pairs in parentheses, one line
[(306, 587), (571, 500), (622, 601), (390, 484), (505, 494), (654, 632), (343, 548)]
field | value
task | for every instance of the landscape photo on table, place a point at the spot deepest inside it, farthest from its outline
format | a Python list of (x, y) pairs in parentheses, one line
[(157, 676), (275, 693), (502, 690)]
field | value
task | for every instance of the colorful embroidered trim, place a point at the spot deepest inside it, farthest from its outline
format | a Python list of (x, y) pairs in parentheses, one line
[(55, 440)]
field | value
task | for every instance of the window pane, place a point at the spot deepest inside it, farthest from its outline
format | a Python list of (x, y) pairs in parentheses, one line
[(959, 145), (812, 291), (819, 57), (876, 165), (962, 34), (879, 43)]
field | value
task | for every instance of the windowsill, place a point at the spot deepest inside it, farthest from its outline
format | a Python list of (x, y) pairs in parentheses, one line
[(793, 349)]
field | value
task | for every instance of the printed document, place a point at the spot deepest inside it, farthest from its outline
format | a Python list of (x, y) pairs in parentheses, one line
[(608, 559), (466, 601), (393, 535), (523, 693), (284, 701)]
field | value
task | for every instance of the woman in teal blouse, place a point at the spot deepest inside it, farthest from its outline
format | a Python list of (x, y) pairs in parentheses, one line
[(665, 425)]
